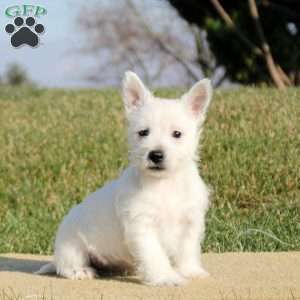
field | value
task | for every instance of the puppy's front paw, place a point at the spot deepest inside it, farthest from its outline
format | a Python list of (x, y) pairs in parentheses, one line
[(169, 279), (193, 272), (82, 273)]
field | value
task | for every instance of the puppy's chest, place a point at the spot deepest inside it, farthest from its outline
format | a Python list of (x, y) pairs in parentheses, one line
[(163, 206), (171, 218), (172, 207)]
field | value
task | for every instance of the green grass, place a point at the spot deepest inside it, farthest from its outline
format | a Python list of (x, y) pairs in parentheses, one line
[(58, 146)]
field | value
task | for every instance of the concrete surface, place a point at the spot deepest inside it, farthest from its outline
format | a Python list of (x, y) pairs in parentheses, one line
[(233, 276)]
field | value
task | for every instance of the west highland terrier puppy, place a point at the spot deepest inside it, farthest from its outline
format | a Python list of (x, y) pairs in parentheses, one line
[(151, 219)]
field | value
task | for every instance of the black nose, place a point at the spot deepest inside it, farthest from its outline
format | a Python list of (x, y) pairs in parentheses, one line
[(156, 156)]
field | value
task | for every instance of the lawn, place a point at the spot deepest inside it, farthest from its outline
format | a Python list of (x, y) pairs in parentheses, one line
[(57, 146)]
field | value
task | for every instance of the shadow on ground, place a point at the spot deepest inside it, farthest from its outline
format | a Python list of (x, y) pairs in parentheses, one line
[(20, 265), (10, 264)]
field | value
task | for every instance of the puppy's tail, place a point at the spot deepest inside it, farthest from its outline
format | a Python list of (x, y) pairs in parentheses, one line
[(46, 269)]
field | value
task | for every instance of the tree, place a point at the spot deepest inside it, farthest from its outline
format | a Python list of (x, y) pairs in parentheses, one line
[(255, 41), (146, 37), (15, 75)]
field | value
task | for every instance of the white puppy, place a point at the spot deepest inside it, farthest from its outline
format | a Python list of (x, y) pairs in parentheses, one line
[(152, 217)]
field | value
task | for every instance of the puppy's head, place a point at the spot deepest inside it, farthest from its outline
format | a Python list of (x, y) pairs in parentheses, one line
[(163, 133)]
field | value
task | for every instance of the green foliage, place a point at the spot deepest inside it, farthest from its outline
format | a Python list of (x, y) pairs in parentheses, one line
[(16, 75), (240, 62), (58, 146)]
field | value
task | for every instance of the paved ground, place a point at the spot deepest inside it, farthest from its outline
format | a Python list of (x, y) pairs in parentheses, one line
[(233, 276)]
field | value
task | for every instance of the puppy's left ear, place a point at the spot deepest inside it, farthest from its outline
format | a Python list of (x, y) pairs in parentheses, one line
[(197, 99)]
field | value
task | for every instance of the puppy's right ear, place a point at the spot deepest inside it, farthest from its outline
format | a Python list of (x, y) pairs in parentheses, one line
[(134, 92)]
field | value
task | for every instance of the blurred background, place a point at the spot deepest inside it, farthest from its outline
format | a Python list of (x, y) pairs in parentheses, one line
[(167, 42)]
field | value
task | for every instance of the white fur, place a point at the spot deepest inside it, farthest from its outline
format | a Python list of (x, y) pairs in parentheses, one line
[(148, 219)]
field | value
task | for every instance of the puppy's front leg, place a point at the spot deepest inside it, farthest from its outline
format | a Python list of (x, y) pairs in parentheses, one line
[(187, 260), (152, 261)]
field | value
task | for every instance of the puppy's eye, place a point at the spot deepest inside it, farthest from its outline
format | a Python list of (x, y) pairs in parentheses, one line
[(176, 134), (144, 132)]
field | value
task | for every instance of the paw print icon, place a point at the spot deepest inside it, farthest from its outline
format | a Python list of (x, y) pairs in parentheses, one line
[(24, 32)]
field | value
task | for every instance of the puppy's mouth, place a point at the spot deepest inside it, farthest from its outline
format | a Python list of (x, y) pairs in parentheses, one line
[(156, 168)]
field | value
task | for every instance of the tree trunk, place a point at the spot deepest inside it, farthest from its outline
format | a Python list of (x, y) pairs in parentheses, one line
[(275, 75)]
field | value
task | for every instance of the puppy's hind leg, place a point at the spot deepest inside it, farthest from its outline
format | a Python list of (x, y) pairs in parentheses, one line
[(72, 261)]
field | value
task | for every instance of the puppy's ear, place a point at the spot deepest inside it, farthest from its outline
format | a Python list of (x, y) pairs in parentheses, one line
[(134, 92), (198, 98)]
